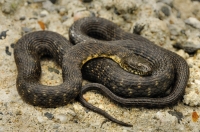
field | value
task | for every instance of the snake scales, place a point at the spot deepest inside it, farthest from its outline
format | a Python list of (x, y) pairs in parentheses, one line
[(170, 70), (31, 47), (96, 37)]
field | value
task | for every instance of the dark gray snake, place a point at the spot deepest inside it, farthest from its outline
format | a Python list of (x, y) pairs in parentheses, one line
[(96, 37), (170, 71), (31, 47)]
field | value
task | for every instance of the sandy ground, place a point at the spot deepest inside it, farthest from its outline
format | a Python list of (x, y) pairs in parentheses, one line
[(167, 22)]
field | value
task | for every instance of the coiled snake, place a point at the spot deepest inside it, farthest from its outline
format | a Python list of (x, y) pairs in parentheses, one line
[(169, 69), (96, 37)]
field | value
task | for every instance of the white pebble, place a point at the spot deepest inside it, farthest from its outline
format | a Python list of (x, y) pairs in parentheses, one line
[(197, 81), (62, 118), (193, 22), (81, 14), (44, 13), (165, 117), (40, 119)]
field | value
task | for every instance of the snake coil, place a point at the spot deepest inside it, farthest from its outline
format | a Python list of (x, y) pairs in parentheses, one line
[(97, 37)]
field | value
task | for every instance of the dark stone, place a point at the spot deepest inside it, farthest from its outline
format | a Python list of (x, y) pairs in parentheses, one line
[(3, 34), (7, 51), (116, 11), (75, 121), (92, 14), (12, 45), (87, 1), (49, 115), (178, 115), (198, 1), (178, 14), (22, 18), (138, 28), (53, 70), (187, 47), (165, 10), (28, 2), (53, 1)]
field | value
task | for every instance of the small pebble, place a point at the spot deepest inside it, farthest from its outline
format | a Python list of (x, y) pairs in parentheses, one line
[(193, 22), (81, 14), (56, 126), (47, 5), (174, 30), (62, 118), (62, 11), (178, 14), (41, 119), (64, 18), (49, 115), (165, 10), (53, 1), (164, 117), (38, 1), (116, 11), (44, 13), (197, 81), (22, 18), (9, 7), (71, 112), (28, 2), (7, 51), (86, 1), (138, 28), (191, 45), (3, 34), (26, 29), (178, 115), (53, 70), (168, 2), (92, 14), (196, 0), (75, 121), (12, 45)]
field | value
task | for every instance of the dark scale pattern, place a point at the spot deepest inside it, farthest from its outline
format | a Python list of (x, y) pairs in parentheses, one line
[(31, 47), (96, 37), (108, 73), (169, 69)]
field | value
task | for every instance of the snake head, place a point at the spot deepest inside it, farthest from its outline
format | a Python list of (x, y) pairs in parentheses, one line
[(136, 65)]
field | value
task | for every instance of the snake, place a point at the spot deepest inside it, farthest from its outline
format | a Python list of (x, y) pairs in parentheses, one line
[(164, 88), (31, 47), (99, 38)]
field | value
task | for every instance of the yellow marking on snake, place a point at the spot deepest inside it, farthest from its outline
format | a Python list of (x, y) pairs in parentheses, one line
[(149, 91), (113, 57), (156, 84)]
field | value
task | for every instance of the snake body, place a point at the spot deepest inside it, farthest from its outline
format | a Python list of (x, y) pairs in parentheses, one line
[(170, 70), (97, 37), (31, 47)]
